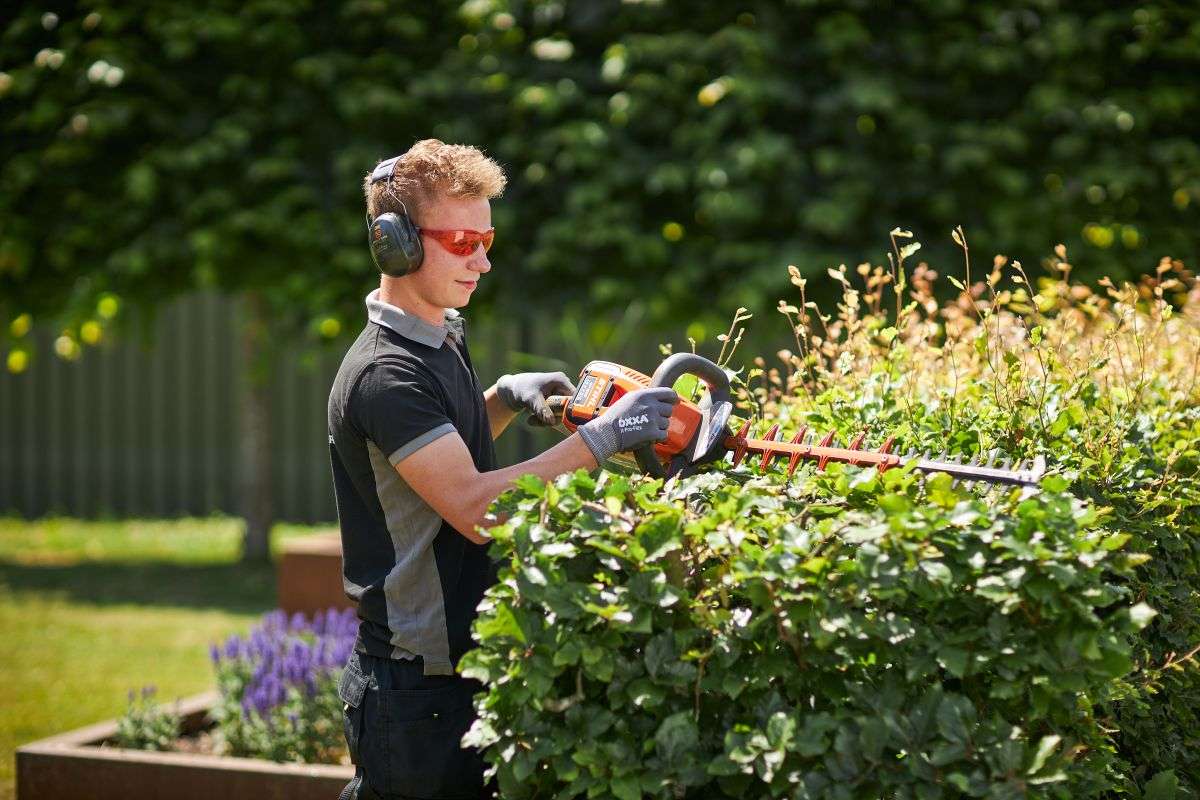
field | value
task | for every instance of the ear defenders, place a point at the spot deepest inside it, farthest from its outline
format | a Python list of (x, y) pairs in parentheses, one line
[(394, 239)]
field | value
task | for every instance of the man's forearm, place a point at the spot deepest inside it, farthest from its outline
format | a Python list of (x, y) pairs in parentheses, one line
[(499, 414), (567, 456), (444, 475)]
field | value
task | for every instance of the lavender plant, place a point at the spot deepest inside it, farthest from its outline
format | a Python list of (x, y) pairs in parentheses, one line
[(278, 687), (147, 725)]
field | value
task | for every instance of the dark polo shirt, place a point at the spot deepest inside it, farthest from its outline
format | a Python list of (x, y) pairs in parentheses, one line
[(403, 384)]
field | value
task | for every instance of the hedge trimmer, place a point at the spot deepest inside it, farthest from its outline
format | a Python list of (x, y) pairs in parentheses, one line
[(699, 432)]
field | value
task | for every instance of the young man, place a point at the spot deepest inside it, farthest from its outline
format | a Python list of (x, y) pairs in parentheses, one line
[(410, 432)]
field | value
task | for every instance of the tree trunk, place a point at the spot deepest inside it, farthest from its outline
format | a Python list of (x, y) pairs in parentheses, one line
[(254, 441)]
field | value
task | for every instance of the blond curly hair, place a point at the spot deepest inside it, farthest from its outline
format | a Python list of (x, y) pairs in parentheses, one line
[(432, 169)]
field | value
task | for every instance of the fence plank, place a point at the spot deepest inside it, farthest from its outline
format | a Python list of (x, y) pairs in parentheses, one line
[(136, 430)]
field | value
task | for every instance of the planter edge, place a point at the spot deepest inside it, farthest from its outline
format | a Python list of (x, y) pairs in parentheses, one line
[(71, 765)]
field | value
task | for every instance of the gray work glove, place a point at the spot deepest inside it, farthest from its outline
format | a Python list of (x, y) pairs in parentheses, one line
[(638, 418), (527, 391)]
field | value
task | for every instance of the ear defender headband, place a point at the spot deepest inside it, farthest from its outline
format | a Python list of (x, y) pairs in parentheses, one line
[(395, 241)]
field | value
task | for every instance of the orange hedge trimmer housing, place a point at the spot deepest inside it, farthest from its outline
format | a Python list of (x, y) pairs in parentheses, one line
[(699, 433)]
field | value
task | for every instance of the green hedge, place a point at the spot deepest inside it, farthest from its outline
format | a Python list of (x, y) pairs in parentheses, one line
[(865, 638), (847, 634)]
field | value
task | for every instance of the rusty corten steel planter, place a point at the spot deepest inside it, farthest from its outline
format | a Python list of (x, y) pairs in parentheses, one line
[(82, 764), (309, 575)]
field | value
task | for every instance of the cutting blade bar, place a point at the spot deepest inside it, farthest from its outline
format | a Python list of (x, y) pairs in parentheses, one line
[(824, 452)]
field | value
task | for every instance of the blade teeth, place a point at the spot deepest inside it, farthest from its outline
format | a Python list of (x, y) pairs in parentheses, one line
[(1029, 470), (825, 443), (886, 448), (768, 454), (1039, 467), (794, 461), (856, 444), (739, 447)]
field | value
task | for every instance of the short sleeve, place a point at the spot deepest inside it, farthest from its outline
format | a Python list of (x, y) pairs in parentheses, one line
[(399, 408)]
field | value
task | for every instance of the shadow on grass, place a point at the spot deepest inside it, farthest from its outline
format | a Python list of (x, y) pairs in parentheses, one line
[(235, 588)]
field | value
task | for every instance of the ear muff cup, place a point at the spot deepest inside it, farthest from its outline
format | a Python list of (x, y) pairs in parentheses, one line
[(395, 244)]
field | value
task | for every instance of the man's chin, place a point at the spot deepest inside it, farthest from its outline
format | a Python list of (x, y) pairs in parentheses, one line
[(462, 297)]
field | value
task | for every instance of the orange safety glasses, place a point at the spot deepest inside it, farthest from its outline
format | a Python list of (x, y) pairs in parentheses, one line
[(462, 242)]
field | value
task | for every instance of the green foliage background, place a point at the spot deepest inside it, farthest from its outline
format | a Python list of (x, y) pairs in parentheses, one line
[(661, 154)]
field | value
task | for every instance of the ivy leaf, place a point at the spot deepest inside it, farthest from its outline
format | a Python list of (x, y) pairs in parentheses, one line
[(953, 660), (626, 787), (659, 535), (530, 484), (660, 654), (993, 587), (676, 736), (812, 740), (937, 572), (955, 716), (568, 653), (1141, 614), (501, 623), (781, 727), (1045, 747), (1163, 786)]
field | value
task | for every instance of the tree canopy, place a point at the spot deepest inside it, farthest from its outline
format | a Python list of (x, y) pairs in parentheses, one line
[(659, 153)]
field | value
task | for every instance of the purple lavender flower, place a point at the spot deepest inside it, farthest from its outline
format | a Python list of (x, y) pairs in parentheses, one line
[(283, 654)]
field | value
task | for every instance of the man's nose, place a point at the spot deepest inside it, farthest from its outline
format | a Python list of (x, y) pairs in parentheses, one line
[(480, 262)]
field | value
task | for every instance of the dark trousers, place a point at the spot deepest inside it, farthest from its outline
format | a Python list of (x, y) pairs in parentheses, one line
[(403, 729)]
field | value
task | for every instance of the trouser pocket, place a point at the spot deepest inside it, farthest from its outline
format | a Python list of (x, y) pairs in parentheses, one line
[(424, 728), (352, 688)]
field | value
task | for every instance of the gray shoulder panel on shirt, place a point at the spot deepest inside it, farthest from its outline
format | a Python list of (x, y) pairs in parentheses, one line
[(419, 442)]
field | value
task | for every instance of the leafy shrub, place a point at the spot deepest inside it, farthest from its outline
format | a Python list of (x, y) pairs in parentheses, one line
[(278, 687), (862, 640), (147, 725), (849, 634)]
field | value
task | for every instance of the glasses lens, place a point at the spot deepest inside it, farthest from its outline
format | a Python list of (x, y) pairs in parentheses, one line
[(462, 242)]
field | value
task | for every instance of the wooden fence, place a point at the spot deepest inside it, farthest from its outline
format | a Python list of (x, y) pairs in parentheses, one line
[(135, 429)]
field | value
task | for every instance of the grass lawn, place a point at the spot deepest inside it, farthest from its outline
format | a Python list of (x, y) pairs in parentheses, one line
[(90, 610)]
